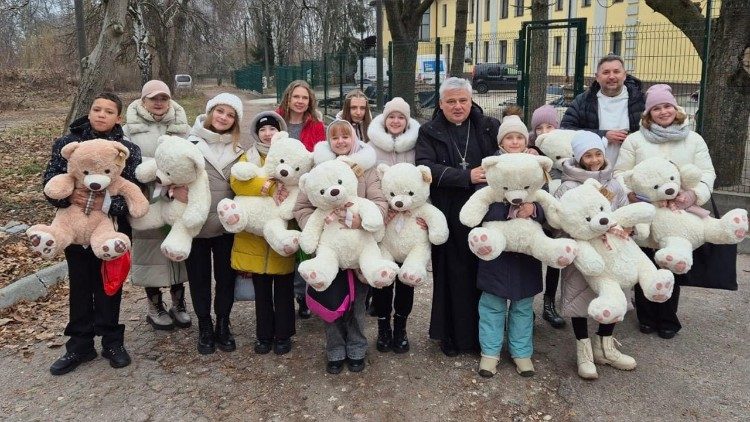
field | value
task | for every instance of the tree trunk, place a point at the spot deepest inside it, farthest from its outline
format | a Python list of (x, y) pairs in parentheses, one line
[(727, 86), (538, 58), (140, 37), (404, 18), (459, 38), (98, 66)]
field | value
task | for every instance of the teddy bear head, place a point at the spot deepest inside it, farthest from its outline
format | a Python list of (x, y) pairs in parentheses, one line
[(178, 161), (516, 176), (95, 163), (556, 145), (405, 185), (287, 159), (329, 185), (657, 179), (583, 212)]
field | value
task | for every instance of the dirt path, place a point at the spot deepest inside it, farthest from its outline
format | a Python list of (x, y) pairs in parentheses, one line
[(702, 374)]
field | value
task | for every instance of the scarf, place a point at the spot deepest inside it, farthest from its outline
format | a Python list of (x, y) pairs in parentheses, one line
[(659, 135), (262, 148)]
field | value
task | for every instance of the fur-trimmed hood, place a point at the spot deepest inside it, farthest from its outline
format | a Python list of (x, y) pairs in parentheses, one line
[(254, 135), (572, 172), (383, 140), (365, 158)]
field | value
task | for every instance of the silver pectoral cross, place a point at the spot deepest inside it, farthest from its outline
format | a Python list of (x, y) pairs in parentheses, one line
[(463, 164)]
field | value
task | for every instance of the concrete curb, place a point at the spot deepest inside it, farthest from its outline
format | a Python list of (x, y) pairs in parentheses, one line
[(33, 286)]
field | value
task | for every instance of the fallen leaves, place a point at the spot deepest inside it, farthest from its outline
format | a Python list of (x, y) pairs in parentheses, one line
[(27, 323)]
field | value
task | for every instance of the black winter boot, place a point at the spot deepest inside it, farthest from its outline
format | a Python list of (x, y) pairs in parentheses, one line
[(400, 341), (385, 335), (223, 336), (206, 344), (550, 313)]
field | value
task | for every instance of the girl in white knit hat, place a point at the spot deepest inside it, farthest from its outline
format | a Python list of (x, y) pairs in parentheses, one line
[(217, 135), (393, 135)]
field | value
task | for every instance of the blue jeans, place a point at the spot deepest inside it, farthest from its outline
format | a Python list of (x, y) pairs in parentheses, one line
[(492, 313)]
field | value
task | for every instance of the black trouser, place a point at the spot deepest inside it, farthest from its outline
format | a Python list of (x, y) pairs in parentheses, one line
[(551, 280), (660, 316), (274, 306), (385, 302), (581, 328), (92, 312), (198, 266)]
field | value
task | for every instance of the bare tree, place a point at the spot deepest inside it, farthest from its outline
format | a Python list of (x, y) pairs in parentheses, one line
[(727, 95), (167, 23), (459, 38), (538, 57), (141, 40), (98, 65), (404, 19)]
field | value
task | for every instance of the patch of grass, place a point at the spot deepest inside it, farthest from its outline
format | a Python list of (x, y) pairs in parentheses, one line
[(194, 103), (31, 169)]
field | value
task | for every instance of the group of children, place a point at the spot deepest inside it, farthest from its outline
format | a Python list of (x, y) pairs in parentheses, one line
[(388, 138)]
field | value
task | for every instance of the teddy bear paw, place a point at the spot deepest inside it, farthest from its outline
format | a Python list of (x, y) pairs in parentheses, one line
[(673, 261), (604, 313), (289, 245), (112, 249), (230, 215), (176, 255), (736, 221), (660, 289), (480, 243), (382, 277), (43, 243), (566, 254), (412, 277), (315, 278)]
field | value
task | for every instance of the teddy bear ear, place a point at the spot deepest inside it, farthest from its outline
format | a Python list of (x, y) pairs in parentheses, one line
[(198, 160), (302, 180), (426, 173), (123, 151), (67, 150), (593, 182), (627, 178), (279, 135), (382, 168), (488, 162), (545, 162)]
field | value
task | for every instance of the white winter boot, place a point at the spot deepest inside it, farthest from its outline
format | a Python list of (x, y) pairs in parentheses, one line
[(488, 366), (606, 353), (585, 358), (157, 316), (178, 311)]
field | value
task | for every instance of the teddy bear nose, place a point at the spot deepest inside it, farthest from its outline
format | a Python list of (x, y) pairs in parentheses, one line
[(334, 192), (284, 173), (95, 186), (399, 204), (158, 180), (669, 191), (603, 221), (516, 201)]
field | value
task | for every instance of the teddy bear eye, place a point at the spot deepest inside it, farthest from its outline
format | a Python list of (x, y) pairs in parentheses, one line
[(281, 161), (671, 178), (411, 193), (588, 218), (558, 157), (656, 186), (340, 182), (525, 187), (86, 172), (601, 208), (505, 188), (296, 169), (322, 191), (106, 171), (392, 194)]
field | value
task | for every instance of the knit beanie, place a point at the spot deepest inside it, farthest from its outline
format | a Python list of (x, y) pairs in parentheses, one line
[(510, 124), (585, 140), (659, 94), (267, 120), (226, 98), (153, 88), (544, 114), (397, 104)]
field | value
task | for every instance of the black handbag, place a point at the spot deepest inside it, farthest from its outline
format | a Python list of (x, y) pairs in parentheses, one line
[(714, 266)]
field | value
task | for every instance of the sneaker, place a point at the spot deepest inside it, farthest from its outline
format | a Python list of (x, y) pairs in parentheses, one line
[(355, 365), (282, 347), (70, 361), (263, 347), (117, 355), (334, 367)]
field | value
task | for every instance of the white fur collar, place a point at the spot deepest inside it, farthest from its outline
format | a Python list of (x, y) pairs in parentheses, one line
[(365, 158), (216, 148), (139, 120), (383, 140)]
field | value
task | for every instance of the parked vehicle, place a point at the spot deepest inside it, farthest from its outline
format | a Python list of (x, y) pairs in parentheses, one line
[(183, 81), (487, 76)]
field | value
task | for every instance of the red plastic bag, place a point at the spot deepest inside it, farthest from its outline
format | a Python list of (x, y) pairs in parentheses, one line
[(114, 273)]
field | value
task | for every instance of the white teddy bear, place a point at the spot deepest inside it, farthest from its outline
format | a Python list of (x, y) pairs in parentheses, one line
[(177, 162), (556, 145), (332, 187), (514, 179), (287, 160), (407, 188), (676, 233), (608, 258)]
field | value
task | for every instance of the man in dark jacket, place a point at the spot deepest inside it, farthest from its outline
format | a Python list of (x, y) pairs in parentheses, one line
[(453, 145), (606, 108)]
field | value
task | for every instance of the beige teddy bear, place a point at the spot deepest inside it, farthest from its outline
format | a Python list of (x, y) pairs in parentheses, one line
[(97, 166)]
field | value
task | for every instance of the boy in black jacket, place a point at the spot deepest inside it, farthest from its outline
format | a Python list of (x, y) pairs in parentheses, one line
[(92, 312)]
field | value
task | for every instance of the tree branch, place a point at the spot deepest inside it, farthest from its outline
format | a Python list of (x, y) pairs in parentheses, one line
[(684, 14)]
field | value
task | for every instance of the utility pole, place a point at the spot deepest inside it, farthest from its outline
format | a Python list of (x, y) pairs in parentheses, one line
[(379, 55)]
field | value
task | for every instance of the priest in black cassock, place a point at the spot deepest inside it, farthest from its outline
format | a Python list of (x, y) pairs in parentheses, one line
[(453, 145)]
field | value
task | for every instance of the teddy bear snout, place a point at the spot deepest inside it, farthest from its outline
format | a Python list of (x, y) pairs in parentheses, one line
[(516, 201), (669, 191), (96, 182), (284, 173), (603, 221), (398, 204), (158, 180), (335, 192)]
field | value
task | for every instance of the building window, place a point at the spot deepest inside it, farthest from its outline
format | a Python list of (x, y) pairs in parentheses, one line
[(559, 5), (445, 15), (616, 47), (558, 51), (586, 3), (469, 52), (504, 9), (487, 10), (486, 46), (424, 28), (471, 11), (519, 7), (503, 53)]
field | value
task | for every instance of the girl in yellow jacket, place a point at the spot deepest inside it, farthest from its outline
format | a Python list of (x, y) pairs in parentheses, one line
[(272, 273)]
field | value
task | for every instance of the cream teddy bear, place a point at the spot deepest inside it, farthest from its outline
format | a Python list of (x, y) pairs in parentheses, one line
[(96, 165), (676, 233), (556, 145), (332, 187), (515, 179), (407, 188), (177, 163), (287, 160), (607, 257)]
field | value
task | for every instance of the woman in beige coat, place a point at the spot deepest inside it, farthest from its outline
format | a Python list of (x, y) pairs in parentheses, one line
[(149, 117)]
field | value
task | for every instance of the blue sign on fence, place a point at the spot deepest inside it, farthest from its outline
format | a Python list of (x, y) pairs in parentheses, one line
[(429, 66)]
